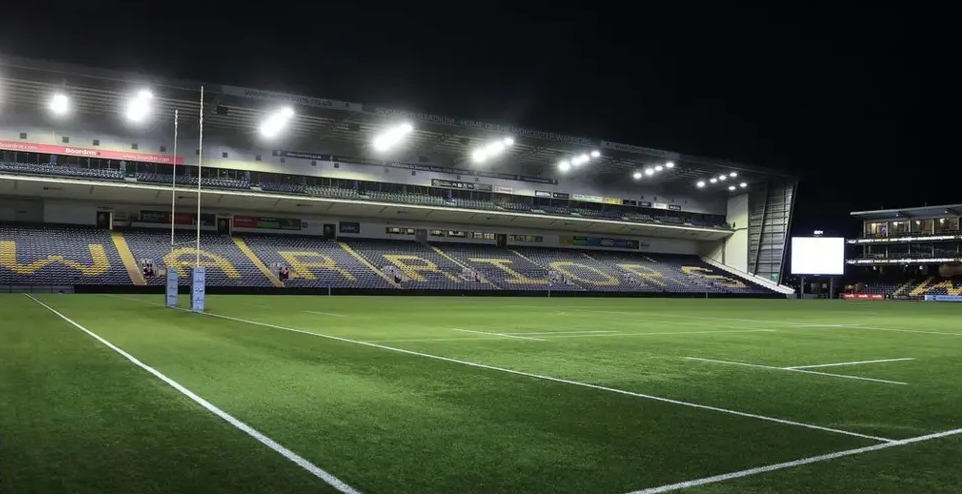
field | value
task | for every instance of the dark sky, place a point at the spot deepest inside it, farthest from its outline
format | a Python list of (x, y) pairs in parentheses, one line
[(828, 93)]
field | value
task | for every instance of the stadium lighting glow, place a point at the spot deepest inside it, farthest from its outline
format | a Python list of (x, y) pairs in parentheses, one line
[(637, 175), (731, 187), (733, 174), (392, 137), (276, 122), (649, 171), (596, 154), (59, 104), (138, 108), (491, 150), (700, 184), (722, 178), (743, 185), (564, 166), (714, 180), (659, 168), (670, 165)]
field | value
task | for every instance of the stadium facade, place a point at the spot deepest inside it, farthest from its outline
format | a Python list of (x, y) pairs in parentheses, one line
[(908, 253), (89, 155)]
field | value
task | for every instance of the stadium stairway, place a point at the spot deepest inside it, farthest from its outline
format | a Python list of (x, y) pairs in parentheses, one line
[(903, 287), (922, 287), (484, 279), (133, 269), (239, 242), (367, 263)]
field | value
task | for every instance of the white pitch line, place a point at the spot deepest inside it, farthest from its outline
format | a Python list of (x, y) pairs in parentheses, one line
[(331, 314), (432, 340), (907, 330), (770, 367), (670, 333), (791, 464), (503, 335), (543, 377), (796, 367), (250, 431)]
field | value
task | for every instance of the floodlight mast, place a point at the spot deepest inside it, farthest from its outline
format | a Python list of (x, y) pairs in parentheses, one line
[(200, 158), (173, 186)]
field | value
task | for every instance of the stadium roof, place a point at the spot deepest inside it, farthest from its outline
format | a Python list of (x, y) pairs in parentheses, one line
[(920, 212), (346, 129)]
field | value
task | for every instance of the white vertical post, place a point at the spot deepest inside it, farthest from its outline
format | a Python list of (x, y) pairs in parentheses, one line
[(173, 186), (200, 159)]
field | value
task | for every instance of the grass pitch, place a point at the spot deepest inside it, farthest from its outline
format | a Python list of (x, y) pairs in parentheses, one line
[(479, 396)]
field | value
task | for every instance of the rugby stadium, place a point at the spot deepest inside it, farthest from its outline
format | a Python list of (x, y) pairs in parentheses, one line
[(218, 289)]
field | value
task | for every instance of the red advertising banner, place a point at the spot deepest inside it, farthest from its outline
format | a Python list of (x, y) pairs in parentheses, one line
[(29, 147), (863, 296)]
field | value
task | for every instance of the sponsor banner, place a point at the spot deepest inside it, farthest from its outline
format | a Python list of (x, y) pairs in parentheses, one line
[(198, 288), (943, 298), (180, 219), (267, 223), (619, 243), (612, 200), (628, 148), (301, 155), (584, 198), (629, 202), (542, 193), (659, 205), (502, 189), (171, 290), (349, 227), (862, 296), (644, 204), (674, 207), (560, 195), (29, 147), (452, 184)]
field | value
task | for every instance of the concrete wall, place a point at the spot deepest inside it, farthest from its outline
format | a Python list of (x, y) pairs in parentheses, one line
[(736, 246), (225, 152)]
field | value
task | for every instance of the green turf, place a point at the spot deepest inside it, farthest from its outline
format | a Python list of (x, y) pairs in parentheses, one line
[(77, 417)]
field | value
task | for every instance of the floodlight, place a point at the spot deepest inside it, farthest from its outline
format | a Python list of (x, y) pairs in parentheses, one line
[(491, 150), (713, 180), (731, 187), (59, 104), (564, 166), (722, 178), (743, 185), (637, 175), (659, 168), (649, 171), (733, 174), (392, 137), (596, 154), (700, 184), (670, 165), (138, 108), (276, 122)]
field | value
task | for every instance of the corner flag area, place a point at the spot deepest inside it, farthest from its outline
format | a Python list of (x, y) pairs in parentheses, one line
[(266, 394)]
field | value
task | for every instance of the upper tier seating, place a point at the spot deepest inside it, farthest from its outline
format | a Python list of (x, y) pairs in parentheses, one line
[(418, 266), (315, 262), (61, 170), (219, 182), (226, 264), (59, 256)]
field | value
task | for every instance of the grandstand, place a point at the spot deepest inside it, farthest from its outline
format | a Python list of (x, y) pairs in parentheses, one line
[(907, 253)]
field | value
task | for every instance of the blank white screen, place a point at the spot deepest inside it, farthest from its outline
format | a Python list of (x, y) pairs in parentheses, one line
[(818, 255)]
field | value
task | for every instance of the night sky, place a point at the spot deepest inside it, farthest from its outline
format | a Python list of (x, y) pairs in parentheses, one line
[(825, 93)]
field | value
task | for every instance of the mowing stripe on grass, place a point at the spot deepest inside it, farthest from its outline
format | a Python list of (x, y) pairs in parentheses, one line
[(850, 363), (540, 376), (549, 333), (795, 463), (789, 369), (660, 334), (270, 443), (503, 335)]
